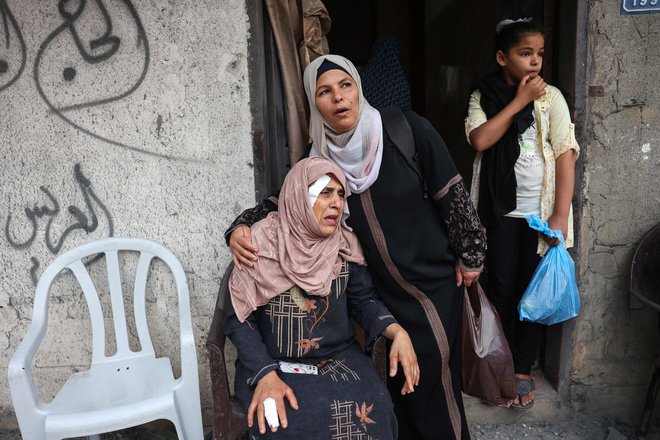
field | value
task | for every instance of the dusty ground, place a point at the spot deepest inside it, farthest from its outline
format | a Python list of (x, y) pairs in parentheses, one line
[(579, 428)]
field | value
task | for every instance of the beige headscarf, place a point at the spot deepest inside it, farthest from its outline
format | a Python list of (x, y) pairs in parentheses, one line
[(292, 249), (359, 151)]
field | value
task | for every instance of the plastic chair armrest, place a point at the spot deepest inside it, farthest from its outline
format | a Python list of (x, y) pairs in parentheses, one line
[(19, 373)]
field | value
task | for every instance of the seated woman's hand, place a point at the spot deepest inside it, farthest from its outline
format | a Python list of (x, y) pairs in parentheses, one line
[(243, 251), (402, 352), (270, 386)]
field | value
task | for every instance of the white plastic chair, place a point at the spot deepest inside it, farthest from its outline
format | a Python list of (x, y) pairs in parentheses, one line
[(126, 389)]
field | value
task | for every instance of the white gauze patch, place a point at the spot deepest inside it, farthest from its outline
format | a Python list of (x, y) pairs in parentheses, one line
[(316, 188)]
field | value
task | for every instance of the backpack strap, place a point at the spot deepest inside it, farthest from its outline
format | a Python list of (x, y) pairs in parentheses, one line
[(398, 129)]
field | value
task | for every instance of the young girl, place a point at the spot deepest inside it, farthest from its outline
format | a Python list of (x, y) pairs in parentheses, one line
[(525, 164)]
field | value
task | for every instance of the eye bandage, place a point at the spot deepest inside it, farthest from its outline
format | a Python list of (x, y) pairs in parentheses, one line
[(316, 188)]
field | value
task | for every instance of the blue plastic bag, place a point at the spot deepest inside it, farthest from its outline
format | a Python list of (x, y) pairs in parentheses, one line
[(552, 296)]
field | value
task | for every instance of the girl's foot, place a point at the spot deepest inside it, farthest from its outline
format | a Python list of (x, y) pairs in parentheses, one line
[(525, 388)]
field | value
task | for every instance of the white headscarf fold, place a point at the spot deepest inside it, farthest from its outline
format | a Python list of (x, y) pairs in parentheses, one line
[(359, 151)]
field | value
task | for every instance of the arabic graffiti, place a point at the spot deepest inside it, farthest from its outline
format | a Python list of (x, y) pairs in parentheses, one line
[(87, 221), (110, 41), (88, 28), (13, 53), (102, 50)]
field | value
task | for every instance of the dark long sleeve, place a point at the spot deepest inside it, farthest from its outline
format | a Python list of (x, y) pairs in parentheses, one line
[(250, 346), (465, 232), (365, 306), (252, 215), (259, 212)]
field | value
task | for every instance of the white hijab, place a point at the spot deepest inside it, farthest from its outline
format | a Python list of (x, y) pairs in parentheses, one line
[(358, 151)]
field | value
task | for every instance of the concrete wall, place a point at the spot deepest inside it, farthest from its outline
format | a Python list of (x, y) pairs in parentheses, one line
[(615, 338), (146, 134), (149, 135)]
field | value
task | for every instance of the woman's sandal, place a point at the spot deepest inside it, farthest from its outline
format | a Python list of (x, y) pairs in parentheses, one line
[(524, 387)]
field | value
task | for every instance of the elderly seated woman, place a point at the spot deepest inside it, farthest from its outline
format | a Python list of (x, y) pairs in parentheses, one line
[(291, 320)]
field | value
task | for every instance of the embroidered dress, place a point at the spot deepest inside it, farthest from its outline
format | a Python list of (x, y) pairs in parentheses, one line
[(416, 228), (556, 135), (412, 241), (346, 399)]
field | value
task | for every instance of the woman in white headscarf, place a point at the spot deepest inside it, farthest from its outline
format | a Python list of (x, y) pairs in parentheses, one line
[(421, 236)]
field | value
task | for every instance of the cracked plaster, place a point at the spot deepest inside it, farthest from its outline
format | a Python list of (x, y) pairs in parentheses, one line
[(612, 352)]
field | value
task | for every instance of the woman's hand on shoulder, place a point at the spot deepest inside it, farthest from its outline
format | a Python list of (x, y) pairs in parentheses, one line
[(270, 386), (403, 352), (243, 251), (530, 89)]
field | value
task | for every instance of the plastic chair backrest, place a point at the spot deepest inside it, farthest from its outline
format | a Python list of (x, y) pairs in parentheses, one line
[(28, 407), (645, 269)]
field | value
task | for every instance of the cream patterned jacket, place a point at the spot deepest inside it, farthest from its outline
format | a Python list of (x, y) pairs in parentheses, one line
[(556, 133)]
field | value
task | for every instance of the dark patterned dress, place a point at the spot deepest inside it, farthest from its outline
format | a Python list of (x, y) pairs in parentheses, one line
[(347, 400), (413, 231)]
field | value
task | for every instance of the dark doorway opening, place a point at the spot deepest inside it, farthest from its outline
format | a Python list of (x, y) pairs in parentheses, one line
[(446, 46)]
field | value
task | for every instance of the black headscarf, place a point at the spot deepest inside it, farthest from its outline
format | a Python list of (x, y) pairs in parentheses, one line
[(497, 188), (383, 81), (328, 65)]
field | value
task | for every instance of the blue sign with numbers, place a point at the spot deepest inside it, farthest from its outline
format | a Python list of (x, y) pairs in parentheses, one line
[(640, 6)]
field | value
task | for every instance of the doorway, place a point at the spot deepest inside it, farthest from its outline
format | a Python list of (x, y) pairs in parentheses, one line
[(445, 47)]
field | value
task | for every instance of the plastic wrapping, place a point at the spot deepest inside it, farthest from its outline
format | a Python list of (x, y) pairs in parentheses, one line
[(487, 371), (552, 296)]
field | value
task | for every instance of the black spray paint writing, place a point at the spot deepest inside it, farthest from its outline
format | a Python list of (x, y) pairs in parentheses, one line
[(107, 41), (106, 45), (103, 48), (94, 52), (86, 219), (13, 38)]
